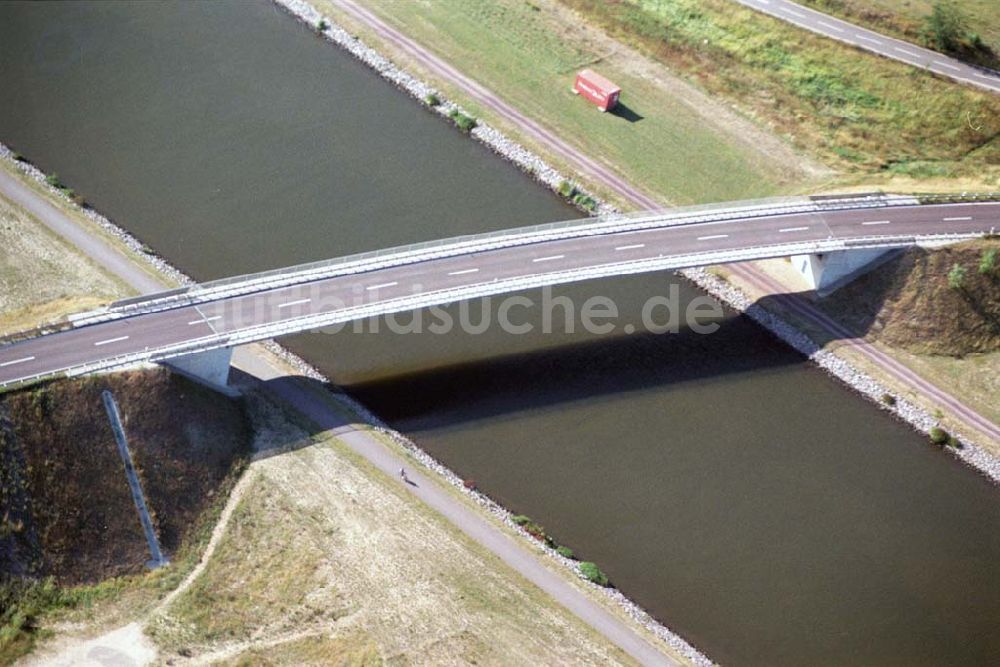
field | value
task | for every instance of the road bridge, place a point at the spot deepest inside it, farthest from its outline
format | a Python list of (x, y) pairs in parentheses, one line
[(194, 328)]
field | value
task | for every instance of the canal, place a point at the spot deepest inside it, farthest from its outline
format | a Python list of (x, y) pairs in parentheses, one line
[(762, 510)]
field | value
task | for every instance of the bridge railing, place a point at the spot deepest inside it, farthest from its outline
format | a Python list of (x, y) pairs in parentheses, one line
[(373, 260), (366, 261), (412, 301)]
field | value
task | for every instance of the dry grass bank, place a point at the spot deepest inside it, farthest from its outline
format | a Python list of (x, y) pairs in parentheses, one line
[(327, 559), (69, 532), (42, 278), (910, 305)]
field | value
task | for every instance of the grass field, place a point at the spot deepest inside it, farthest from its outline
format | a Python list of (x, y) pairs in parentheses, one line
[(671, 140), (906, 19), (863, 113)]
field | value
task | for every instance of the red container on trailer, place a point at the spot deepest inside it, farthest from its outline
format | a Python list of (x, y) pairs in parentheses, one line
[(597, 89)]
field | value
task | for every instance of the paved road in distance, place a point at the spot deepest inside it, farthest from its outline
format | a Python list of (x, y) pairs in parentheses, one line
[(890, 47)]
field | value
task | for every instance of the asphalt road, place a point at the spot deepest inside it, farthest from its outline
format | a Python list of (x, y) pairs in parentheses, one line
[(869, 40), (551, 262)]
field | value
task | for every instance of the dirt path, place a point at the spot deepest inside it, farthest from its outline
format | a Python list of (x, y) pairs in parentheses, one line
[(235, 496), (606, 177)]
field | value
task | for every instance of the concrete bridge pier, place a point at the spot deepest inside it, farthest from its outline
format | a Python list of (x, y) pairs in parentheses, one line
[(210, 368), (829, 271)]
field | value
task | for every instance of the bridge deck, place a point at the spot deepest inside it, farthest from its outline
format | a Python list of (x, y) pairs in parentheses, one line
[(264, 314)]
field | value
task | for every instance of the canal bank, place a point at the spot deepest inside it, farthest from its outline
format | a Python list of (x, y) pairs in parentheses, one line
[(535, 166), (548, 436)]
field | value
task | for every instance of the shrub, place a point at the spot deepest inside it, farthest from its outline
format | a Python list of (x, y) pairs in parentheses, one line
[(55, 181), (946, 26), (889, 399), (565, 552), (432, 100), (465, 123), (988, 262), (939, 436), (954, 442), (567, 189), (520, 519), (593, 573), (584, 201), (956, 277), (323, 26)]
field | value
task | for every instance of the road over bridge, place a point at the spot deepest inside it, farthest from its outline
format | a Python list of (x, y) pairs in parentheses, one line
[(199, 321)]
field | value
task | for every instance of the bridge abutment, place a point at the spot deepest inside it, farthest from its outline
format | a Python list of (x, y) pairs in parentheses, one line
[(829, 271), (210, 368)]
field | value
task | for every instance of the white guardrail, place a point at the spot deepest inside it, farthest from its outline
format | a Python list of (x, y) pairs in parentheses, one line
[(410, 302), (380, 259)]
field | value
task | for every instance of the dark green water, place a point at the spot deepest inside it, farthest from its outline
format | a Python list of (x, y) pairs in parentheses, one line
[(763, 511)]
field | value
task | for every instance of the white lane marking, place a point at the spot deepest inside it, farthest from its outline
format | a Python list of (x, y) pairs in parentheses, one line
[(110, 340), (16, 361), (877, 222), (909, 53), (713, 236), (548, 259), (462, 272), (941, 63), (961, 217), (293, 303), (830, 26), (866, 38), (631, 247), (381, 285), (793, 12), (792, 229), (206, 320)]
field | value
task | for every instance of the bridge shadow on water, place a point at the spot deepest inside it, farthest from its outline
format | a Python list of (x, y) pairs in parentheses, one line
[(493, 387)]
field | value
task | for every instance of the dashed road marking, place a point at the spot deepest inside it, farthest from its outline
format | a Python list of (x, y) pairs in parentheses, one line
[(877, 222), (866, 38), (110, 340), (548, 259), (793, 12), (381, 285), (956, 219), (792, 229), (941, 63), (713, 236), (205, 320), (634, 246), (909, 53), (462, 272), (16, 361), (830, 26), (289, 304)]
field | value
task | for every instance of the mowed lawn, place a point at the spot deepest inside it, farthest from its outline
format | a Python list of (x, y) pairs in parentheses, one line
[(519, 51)]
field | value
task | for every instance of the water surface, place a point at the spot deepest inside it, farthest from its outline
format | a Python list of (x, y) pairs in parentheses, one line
[(758, 507)]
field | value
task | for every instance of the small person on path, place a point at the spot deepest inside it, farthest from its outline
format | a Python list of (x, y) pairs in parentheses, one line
[(402, 474)]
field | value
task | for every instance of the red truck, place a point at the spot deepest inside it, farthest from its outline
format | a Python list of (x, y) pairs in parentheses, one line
[(597, 89)]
